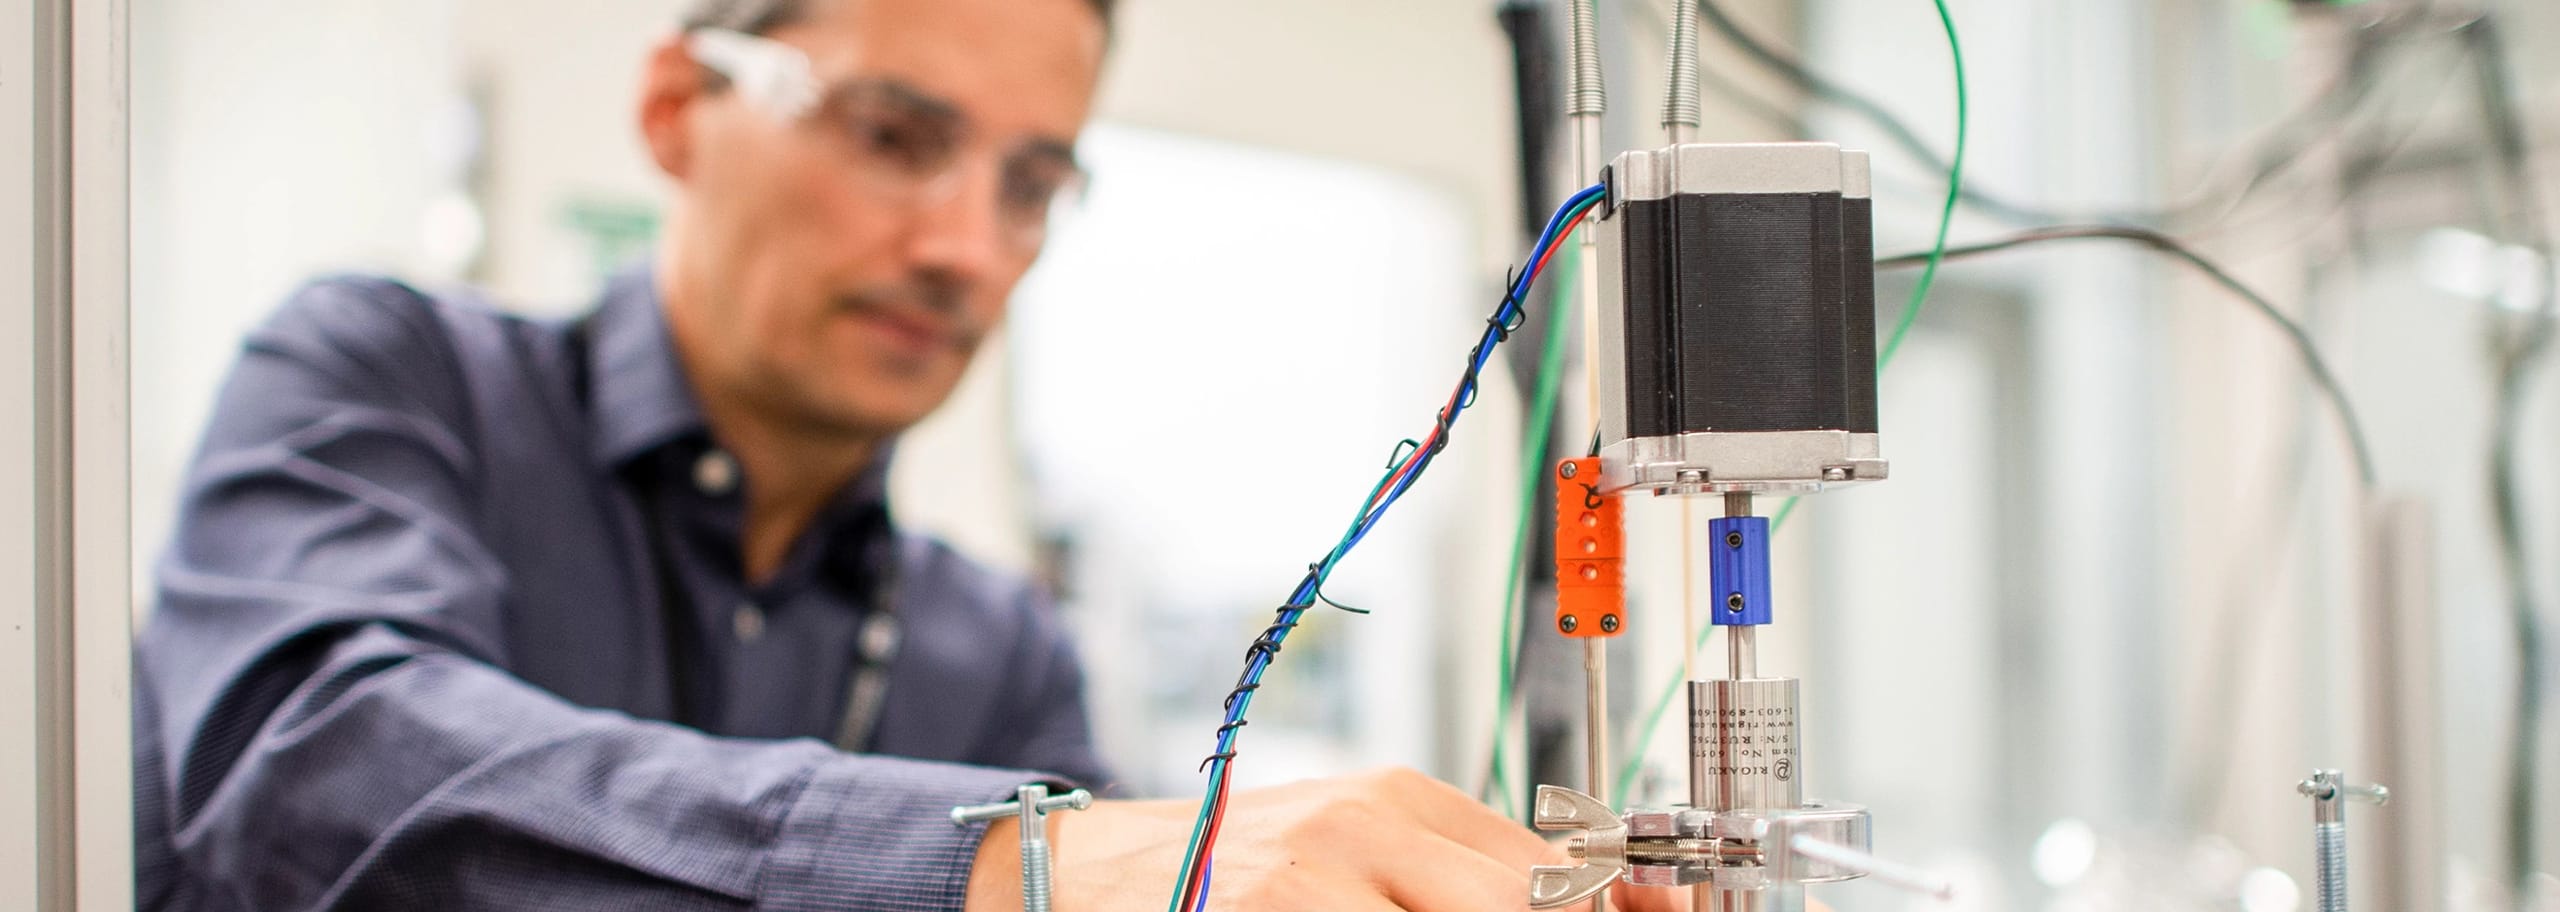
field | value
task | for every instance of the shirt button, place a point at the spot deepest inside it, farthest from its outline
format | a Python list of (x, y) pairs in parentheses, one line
[(747, 622), (716, 473)]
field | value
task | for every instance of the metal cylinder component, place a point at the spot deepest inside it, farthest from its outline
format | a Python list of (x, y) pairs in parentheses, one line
[(1775, 898), (1595, 667), (1742, 745)]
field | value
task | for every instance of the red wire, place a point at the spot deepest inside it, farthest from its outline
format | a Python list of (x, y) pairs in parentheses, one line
[(1562, 237), (1218, 812), (1409, 462), (1200, 868)]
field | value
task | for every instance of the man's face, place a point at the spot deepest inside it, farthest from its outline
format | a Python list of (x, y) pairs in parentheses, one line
[(835, 271)]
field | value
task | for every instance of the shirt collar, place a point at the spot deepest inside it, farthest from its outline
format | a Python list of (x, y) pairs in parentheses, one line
[(639, 391), (642, 399)]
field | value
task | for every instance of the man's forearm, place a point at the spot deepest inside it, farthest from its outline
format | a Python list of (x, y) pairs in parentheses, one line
[(391, 765)]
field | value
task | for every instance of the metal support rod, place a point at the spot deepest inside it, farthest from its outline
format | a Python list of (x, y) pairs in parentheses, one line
[(1689, 628), (1595, 670), (2404, 715), (1588, 99), (1742, 652), (1742, 661)]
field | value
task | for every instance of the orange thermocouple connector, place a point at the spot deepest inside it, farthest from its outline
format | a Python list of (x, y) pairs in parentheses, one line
[(1591, 553)]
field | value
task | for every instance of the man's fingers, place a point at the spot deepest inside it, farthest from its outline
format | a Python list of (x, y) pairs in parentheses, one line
[(1290, 887), (1462, 819), (1437, 874)]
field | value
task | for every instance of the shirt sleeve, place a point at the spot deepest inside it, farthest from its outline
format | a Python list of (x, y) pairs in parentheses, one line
[(332, 727)]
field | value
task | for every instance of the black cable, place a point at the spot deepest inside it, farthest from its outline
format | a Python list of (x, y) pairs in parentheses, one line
[(2210, 782), (1872, 111), (2297, 132), (2516, 361), (2321, 375)]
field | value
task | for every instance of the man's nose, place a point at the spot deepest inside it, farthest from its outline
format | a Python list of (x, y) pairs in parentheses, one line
[(962, 234)]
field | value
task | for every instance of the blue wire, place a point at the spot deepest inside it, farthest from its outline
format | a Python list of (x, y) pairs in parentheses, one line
[(1483, 353), (1305, 595)]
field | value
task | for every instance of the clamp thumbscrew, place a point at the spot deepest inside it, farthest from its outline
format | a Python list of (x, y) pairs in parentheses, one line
[(1032, 804)]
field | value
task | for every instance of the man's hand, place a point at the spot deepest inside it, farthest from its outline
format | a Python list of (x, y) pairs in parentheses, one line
[(1376, 842)]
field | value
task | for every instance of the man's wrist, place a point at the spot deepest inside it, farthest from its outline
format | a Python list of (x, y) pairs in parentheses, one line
[(995, 876), (871, 834)]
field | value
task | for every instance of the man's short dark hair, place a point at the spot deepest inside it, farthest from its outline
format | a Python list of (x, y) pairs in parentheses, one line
[(757, 17)]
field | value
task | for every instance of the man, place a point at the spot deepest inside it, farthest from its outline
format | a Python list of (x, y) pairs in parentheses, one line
[(472, 612)]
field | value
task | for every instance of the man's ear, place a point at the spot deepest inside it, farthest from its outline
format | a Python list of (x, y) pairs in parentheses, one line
[(669, 88)]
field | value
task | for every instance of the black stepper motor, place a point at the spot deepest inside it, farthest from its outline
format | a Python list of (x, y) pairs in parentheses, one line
[(1739, 298)]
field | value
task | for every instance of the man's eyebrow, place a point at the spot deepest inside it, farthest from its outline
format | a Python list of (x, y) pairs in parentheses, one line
[(915, 100), (1052, 148), (920, 102)]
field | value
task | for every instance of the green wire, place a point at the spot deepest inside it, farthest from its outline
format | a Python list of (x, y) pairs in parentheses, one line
[(1902, 328), (1324, 571), (1955, 190), (1533, 470)]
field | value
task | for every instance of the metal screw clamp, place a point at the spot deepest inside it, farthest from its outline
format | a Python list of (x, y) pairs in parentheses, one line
[(2329, 795), (2328, 788), (1032, 804)]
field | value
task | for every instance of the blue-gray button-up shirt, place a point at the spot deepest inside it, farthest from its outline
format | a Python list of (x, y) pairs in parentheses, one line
[(413, 646)]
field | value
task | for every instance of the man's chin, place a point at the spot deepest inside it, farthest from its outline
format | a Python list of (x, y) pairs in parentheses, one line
[(869, 415)]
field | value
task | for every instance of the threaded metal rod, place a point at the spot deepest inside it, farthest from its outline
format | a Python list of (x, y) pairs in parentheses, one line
[(2330, 851), (1680, 105), (1588, 95), (1587, 98), (1035, 876)]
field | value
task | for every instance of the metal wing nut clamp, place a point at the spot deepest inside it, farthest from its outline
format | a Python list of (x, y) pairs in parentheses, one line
[(1602, 848)]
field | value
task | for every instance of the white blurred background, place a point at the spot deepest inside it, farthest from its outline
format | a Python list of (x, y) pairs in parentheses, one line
[(2076, 653)]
